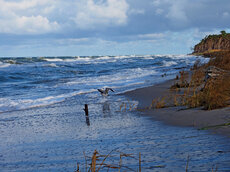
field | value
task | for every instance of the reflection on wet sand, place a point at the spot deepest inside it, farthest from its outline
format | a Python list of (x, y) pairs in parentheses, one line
[(106, 109)]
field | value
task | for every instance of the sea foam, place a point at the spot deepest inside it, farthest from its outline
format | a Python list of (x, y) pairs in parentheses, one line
[(46, 80)]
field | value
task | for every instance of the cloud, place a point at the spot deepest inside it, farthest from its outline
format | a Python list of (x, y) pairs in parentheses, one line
[(24, 17), (27, 25), (72, 41), (91, 14), (151, 36), (159, 11), (174, 11), (23, 4), (47, 16), (136, 11), (81, 23), (177, 12), (157, 2), (106, 17)]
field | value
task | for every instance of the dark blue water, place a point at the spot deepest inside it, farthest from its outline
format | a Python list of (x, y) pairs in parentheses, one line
[(53, 135), (31, 82)]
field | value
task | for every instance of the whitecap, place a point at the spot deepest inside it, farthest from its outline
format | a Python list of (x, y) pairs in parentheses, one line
[(70, 60), (120, 79), (53, 60), (169, 63), (103, 58), (10, 104), (4, 65), (51, 65)]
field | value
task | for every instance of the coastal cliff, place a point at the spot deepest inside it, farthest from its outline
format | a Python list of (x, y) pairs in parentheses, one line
[(213, 43)]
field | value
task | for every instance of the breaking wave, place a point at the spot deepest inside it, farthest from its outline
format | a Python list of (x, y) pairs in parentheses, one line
[(40, 81)]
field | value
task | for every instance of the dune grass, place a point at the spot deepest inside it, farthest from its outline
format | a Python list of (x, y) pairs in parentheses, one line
[(193, 89), (215, 92)]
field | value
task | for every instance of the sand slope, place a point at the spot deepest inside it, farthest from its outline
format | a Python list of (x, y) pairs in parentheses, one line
[(180, 116)]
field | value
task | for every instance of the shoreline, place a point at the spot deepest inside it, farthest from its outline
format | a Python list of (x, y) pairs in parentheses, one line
[(212, 120)]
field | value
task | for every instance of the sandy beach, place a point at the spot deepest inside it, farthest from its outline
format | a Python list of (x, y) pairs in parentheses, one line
[(44, 128), (212, 121)]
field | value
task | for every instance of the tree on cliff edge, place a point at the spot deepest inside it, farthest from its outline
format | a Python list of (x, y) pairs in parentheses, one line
[(223, 32)]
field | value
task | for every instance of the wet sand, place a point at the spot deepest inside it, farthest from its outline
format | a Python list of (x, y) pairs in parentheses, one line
[(54, 137), (180, 116)]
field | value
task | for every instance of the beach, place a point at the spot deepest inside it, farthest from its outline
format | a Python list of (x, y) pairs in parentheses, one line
[(44, 128), (181, 116), (114, 85)]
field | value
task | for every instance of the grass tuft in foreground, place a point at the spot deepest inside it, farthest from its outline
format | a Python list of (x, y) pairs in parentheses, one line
[(97, 162)]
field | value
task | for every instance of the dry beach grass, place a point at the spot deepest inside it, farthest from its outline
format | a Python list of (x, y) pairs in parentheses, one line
[(215, 91), (97, 163), (192, 100)]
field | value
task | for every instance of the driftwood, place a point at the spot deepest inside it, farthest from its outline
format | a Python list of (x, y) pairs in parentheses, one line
[(214, 72)]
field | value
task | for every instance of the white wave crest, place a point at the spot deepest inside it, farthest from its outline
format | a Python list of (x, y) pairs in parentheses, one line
[(169, 63), (9, 104), (119, 79), (51, 65), (53, 60), (4, 65)]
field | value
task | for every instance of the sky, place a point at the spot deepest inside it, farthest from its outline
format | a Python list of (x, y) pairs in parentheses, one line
[(107, 27)]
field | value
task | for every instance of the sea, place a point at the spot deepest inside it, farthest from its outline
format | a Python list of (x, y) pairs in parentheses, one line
[(43, 126)]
